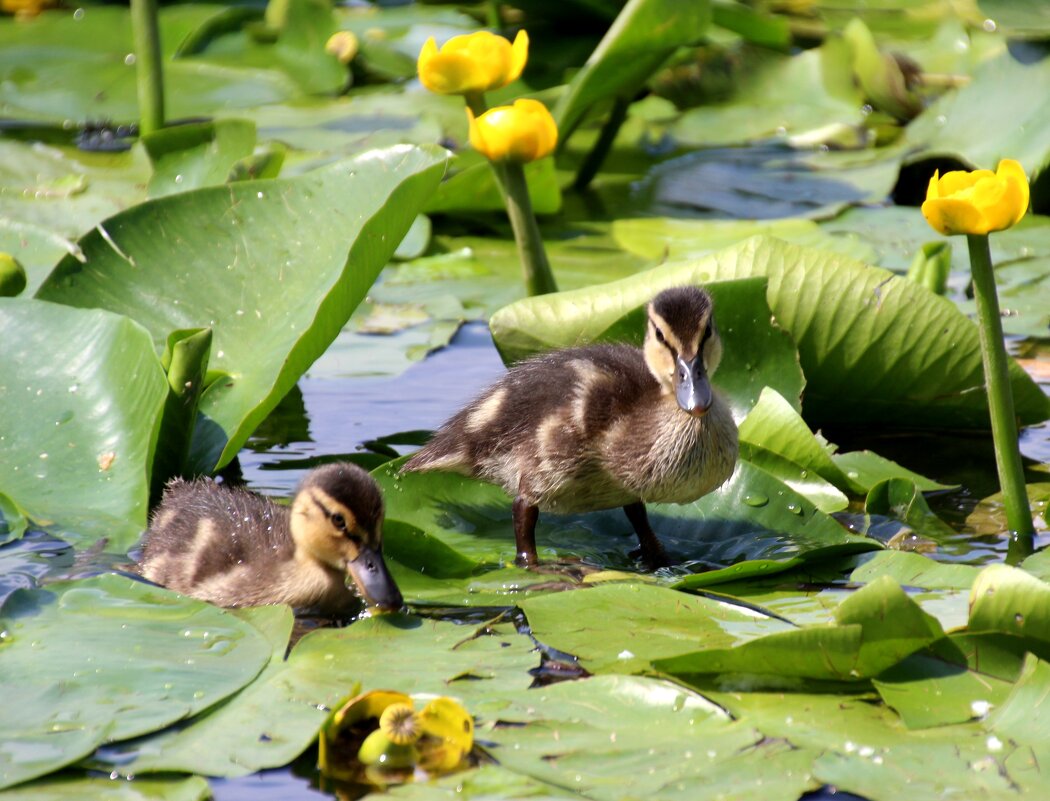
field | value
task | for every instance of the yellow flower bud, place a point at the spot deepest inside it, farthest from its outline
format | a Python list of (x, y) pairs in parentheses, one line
[(343, 45), (977, 202), (475, 62), (523, 132)]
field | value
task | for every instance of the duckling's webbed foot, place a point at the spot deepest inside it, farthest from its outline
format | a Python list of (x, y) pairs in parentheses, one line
[(525, 517), (652, 552)]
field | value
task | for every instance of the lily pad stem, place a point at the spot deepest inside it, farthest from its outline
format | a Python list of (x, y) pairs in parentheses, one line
[(539, 280), (148, 65), (1000, 398), (596, 157)]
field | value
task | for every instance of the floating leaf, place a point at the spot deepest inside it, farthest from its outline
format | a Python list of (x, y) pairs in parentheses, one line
[(951, 127), (200, 154), (915, 570), (899, 498), (622, 628), (107, 659), (876, 627), (75, 788), (180, 261), (78, 462)]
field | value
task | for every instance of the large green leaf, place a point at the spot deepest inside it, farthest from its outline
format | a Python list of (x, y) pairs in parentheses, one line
[(950, 683), (915, 570), (62, 66), (622, 628), (1004, 90), (1008, 600), (272, 720), (77, 788), (875, 628), (65, 192), (76, 454), (188, 157), (109, 658), (273, 267), (1025, 715), (616, 737), (875, 348), (778, 95), (672, 239), (644, 35)]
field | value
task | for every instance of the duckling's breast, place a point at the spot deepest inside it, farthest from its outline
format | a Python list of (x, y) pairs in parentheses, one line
[(665, 455)]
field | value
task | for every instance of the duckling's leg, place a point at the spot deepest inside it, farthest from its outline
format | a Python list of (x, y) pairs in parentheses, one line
[(525, 517), (653, 553)]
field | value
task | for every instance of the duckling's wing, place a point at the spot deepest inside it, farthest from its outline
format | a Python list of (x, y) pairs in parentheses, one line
[(576, 390), (202, 529)]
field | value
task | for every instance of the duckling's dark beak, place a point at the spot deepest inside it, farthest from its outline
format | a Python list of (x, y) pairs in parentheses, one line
[(374, 581), (692, 389)]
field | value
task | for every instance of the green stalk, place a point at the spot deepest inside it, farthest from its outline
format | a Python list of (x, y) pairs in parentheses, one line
[(594, 160), (148, 65), (1000, 399), (539, 280)]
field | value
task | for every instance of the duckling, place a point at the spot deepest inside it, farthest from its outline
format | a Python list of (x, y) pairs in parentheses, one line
[(597, 427), (235, 548)]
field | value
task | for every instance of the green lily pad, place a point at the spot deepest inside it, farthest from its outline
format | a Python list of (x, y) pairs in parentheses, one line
[(278, 715), (200, 154), (75, 788), (845, 318), (1025, 714), (611, 737), (212, 258), (866, 469), (1020, 19), (670, 239), (78, 462), (914, 570), (1008, 600), (900, 499), (947, 684), (778, 95), (651, 622), (62, 66), (876, 627), (267, 724), (66, 192), (1003, 89), (107, 659)]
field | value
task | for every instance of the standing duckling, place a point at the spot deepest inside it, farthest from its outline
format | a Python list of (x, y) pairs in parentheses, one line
[(596, 427), (235, 548)]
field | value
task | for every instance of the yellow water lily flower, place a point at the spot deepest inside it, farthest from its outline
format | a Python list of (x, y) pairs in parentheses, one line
[(523, 132), (475, 62), (977, 202), (343, 45), (26, 8)]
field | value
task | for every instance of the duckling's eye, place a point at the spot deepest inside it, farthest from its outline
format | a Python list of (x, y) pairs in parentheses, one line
[(339, 521), (659, 335)]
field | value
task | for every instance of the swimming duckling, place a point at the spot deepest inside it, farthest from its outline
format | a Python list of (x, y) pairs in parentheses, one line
[(235, 548), (596, 427)]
